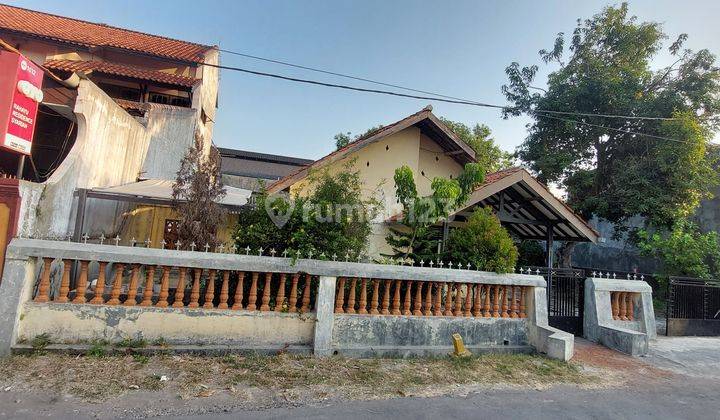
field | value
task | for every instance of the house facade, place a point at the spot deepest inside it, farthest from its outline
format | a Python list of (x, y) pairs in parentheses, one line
[(118, 106)]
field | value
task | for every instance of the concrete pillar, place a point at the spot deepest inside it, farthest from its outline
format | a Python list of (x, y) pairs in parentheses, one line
[(324, 312), (15, 290)]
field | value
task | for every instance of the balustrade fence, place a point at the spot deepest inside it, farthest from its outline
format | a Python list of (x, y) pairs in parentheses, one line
[(422, 298), (622, 304)]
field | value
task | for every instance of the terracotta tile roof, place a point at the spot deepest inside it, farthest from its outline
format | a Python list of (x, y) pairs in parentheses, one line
[(120, 70), (88, 34)]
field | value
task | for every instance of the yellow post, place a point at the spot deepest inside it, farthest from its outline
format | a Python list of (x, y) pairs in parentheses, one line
[(460, 350)]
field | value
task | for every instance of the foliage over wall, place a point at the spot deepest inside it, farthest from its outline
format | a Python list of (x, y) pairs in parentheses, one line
[(482, 242), (684, 250), (333, 218)]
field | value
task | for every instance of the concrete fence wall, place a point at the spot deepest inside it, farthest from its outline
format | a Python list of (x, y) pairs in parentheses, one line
[(619, 314), (296, 309)]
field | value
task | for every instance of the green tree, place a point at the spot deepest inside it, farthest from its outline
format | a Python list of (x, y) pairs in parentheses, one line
[(479, 138), (684, 250), (416, 237), (484, 243), (343, 139), (606, 168), (333, 218)]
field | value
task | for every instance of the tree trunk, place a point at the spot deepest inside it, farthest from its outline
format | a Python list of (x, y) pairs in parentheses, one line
[(566, 251)]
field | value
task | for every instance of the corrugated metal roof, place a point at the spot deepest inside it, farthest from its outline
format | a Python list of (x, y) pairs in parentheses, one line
[(161, 189)]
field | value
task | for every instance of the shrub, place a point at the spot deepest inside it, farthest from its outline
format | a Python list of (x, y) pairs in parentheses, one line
[(484, 243)]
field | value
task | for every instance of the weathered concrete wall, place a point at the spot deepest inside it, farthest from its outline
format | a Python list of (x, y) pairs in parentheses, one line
[(172, 131), (247, 329), (109, 150), (631, 337), (555, 343), (365, 336)]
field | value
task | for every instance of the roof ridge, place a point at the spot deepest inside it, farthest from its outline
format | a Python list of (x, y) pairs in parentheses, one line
[(105, 25)]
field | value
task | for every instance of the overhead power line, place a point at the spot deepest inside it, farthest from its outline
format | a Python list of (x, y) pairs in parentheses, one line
[(430, 98), (440, 95)]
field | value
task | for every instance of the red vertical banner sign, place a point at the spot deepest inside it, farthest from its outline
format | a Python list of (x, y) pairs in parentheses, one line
[(20, 95)]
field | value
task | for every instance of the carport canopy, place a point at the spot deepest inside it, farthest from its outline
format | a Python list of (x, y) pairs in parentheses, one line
[(527, 209)]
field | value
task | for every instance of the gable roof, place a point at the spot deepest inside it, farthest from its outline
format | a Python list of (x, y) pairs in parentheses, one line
[(428, 123), (527, 207), (89, 34), (120, 70)]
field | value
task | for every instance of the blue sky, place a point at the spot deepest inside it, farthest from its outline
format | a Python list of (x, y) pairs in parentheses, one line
[(457, 48)]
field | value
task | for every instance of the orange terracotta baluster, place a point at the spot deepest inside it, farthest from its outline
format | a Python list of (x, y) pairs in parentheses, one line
[(448, 301), (237, 300), (386, 299), (523, 290), (180, 289), (64, 282), (210, 290), (306, 294), (486, 306), (132, 288), (468, 300), (340, 296), (428, 299), (82, 283), (117, 285), (417, 304), (44, 285), (505, 297), (477, 303), (280, 296), (630, 307), (496, 302), (266, 293), (164, 286), (351, 297), (292, 300), (396, 299), (513, 303), (252, 294), (437, 306), (408, 298), (149, 283), (375, 297), (362, 304), (458, 300), (623, 307), (100, 284), (614, 304), (195, 291), (224, 290)]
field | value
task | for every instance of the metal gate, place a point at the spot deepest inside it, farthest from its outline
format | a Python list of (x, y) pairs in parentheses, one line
[(566, 297), (693, 307)]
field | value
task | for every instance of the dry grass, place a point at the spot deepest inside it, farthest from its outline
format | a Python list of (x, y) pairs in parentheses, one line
[(99, 378)]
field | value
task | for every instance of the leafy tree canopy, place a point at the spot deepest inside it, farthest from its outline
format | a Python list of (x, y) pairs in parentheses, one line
[(343, 139), (684, 250), (484, 243), (605, 169), (478, 137)]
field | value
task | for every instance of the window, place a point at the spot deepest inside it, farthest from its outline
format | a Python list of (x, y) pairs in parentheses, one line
[(121, 92), (166, 99)]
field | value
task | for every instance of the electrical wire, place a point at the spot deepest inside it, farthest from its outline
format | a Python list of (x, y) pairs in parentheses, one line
[(439, 95), (430, 98)]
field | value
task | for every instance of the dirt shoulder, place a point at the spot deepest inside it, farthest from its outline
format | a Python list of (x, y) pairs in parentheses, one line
[(136, 385)]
